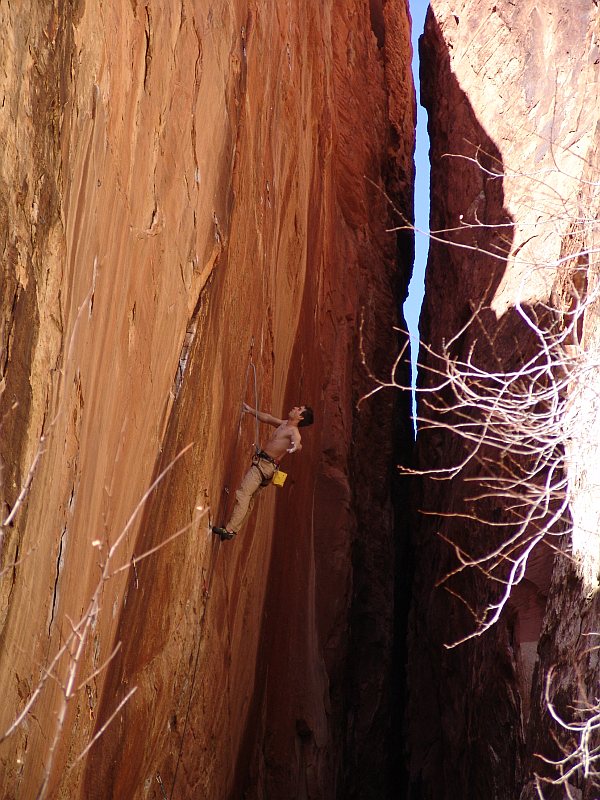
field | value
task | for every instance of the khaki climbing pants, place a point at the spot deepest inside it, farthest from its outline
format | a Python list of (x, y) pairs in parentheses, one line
[(252, 481)]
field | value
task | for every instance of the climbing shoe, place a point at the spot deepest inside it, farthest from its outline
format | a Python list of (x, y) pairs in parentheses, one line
[(223, 534)]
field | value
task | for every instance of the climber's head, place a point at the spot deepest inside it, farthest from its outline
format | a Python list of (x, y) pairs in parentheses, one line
[(301, 415), (306, 416)]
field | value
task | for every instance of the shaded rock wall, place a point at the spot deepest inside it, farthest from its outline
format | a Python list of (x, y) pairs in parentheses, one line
[(511, 92), (186, 189)]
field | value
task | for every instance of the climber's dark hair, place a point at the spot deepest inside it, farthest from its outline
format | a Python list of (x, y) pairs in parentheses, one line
[(307, 417)]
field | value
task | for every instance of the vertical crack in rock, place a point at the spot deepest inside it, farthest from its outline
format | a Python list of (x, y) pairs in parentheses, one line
[(189, 337), (8, 577), (148, 51), (377, 21), (60, 561), (9, 334), (196, 90), (93, 289)]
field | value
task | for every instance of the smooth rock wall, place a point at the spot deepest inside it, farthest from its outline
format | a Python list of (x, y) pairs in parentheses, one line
[(188, 189)]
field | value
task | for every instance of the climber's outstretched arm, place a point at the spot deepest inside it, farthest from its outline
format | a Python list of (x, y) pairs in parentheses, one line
[(269, 419)]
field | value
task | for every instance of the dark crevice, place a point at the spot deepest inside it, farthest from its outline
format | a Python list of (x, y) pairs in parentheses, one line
[(59, 565), (148, 53), (190, 335), (377, 21)]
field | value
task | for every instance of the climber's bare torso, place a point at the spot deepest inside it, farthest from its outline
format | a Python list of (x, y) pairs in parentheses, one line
[(286, 438)]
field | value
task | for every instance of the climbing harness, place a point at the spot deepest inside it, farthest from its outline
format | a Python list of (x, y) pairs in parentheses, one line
[(265, 480), (259, 456), (277, 478), (262, 456)]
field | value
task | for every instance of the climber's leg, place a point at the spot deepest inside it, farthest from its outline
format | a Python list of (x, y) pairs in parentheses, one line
[(244, 498)]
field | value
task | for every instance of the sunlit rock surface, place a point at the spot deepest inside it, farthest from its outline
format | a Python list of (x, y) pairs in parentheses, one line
[(187, 189), (512, 95)]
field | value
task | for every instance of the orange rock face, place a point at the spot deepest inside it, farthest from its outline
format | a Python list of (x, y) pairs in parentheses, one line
[(187, 191)]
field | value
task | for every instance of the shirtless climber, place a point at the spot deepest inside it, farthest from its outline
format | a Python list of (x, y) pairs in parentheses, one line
[(286, 439)]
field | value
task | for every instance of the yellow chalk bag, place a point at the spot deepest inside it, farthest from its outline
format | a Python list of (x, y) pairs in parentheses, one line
[(279, 477)]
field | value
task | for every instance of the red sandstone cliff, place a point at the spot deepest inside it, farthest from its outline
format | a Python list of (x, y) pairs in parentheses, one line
[(512, 95), (183, 187)]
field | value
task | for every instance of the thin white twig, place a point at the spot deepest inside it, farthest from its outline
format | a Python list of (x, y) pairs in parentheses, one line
[(92, 741)]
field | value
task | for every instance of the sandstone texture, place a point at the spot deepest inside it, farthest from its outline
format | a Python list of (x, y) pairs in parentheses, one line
[(511, 91), (186, 190)]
